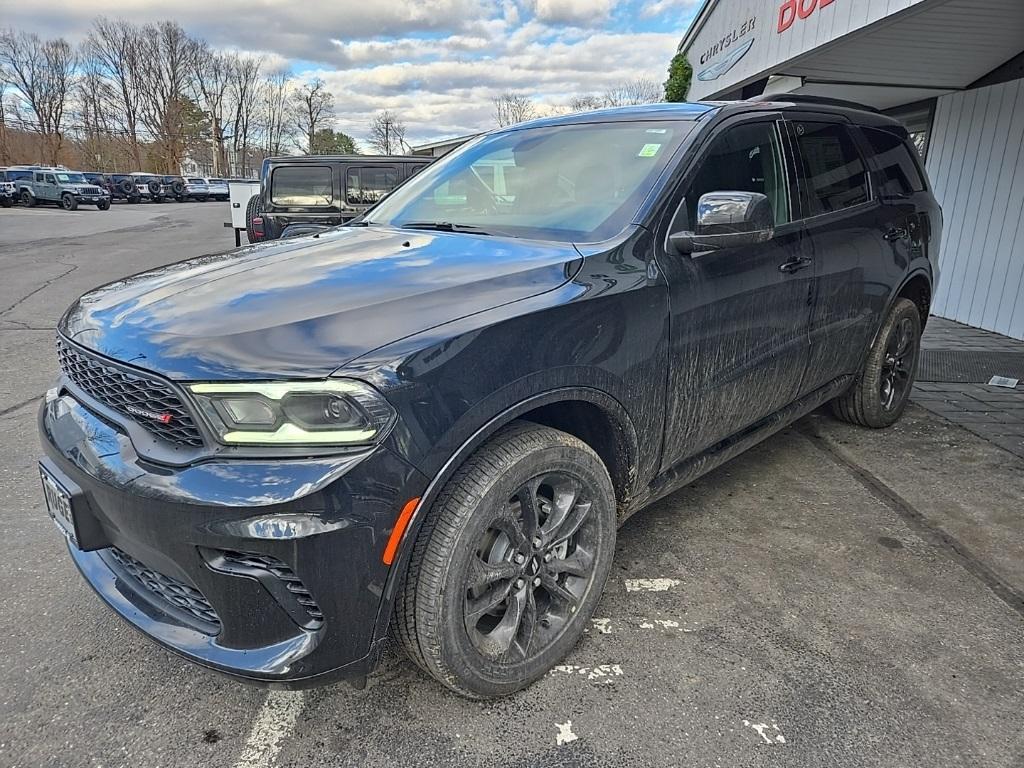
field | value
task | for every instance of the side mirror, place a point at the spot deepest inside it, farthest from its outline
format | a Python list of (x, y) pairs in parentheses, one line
[(727, 220)]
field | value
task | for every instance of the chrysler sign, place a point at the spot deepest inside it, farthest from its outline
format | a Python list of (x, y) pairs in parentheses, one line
[(722, 56)]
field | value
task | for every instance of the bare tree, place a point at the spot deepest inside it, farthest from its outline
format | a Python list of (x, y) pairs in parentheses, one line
[(643, 90), (244, 92), (42, 73), (168, 63), (5, 149), (314, 105), (276, 111), (115, 49), (511, 108), (387, 133), (585, 103), (95, 105), (213, 72)]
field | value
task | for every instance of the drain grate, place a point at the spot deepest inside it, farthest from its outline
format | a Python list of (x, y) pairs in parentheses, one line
[(945, 365)]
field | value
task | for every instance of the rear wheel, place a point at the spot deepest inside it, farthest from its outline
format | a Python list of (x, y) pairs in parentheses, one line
[(881, 390), (28, 199), (68, 202), (510, 562)]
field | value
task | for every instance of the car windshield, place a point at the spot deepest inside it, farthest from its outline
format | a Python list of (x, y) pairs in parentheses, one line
[(573, 183), (71, 178)]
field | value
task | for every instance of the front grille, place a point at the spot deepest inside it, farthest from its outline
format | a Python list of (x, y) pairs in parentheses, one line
[(130, 393), (169, 590), (287, 576), (90, 191)]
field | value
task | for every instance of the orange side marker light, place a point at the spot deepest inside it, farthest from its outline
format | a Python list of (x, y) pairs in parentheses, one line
[(396, 533)]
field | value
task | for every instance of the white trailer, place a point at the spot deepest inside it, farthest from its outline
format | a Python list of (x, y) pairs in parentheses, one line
[(239, 194)]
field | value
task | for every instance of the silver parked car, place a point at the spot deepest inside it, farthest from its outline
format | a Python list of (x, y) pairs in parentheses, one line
[(217, 188), (197, 189), (66, 188)]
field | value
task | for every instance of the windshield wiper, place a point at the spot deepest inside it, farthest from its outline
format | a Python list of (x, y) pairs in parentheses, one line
[(445, 226)]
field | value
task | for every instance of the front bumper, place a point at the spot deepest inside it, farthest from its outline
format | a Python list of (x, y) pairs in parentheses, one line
[(267, 570)]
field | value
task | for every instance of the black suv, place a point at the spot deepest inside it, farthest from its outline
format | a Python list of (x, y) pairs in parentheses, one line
[(304, 195), (122, 186), (435, 418)]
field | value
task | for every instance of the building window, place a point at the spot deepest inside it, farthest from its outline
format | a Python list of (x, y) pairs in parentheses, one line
[(832, 172), (917, 118)]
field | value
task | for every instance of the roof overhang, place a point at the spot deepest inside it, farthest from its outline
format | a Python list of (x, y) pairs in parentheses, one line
[(927, 49)]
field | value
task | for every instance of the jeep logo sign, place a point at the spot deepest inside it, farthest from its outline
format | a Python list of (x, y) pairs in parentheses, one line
[(791, 10)]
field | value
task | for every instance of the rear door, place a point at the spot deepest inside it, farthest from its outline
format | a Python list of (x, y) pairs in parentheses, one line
[(739, 316), (48, 187), (844, 228)]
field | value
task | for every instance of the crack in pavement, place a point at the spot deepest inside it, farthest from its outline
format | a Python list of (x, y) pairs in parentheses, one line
[(16, 406), (933, 534), (44, 285)]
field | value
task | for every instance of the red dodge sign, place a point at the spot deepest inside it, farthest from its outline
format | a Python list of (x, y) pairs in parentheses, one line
[(791, 10)]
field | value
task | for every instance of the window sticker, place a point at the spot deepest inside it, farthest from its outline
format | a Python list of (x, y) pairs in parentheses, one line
[(649, 150), (656, 130)]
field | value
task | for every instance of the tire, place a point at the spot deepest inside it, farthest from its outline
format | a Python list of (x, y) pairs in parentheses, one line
[(881, 390), (104, 206), (68, 202), (28, 199), (476, 527), (202, 198), (135, 199), (125, 187), (178, 189), (252, 209), (7, 202)]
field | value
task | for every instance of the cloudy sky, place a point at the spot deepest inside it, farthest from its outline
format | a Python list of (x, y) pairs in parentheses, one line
[(436, 63)]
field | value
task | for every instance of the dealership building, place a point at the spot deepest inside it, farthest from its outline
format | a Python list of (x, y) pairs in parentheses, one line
[(951, 70)]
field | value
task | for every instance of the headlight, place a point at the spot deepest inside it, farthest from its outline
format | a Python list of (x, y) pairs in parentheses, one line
[(332, 412)]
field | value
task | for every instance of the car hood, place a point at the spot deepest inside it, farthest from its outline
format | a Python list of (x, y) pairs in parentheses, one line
[(304, 307)]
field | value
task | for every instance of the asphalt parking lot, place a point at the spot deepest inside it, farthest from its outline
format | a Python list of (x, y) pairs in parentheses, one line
[(834, 597)]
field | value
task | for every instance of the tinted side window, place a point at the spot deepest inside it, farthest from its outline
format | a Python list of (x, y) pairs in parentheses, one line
[(365, 186), (305, 185), (832, 173), (901, 175), (746, 158)]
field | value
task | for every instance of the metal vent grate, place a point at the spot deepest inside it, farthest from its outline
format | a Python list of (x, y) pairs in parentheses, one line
[(278, 569), (966, 367), (149, 402), (169, 590)]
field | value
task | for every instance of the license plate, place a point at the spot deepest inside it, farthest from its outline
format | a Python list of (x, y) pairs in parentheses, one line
[(58, 505)]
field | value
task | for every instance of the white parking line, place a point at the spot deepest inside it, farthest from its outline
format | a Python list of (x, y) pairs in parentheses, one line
[(651, 585), (275, 721)]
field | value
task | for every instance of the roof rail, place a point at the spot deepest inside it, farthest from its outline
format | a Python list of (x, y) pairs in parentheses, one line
[(806, 98)]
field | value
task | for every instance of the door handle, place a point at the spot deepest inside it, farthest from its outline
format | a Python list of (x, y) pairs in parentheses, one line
[(795, 265), (896, 233)]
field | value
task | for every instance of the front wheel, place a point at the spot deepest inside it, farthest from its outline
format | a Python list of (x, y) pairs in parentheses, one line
[(103, 205), (510, 562), (881, 390), (68, 202)]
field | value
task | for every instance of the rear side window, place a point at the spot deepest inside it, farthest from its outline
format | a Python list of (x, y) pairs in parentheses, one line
[(901, 174), (832, 172), (307, 186), (365, 186)]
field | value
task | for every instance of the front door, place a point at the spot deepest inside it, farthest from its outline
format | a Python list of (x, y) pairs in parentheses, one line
[(739, 316)]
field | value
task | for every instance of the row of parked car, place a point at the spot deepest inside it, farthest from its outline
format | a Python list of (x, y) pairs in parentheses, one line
[(34, 185)]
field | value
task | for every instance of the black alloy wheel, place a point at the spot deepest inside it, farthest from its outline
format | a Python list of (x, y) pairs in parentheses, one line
[(531, 568), (880, 392), (509, 563)]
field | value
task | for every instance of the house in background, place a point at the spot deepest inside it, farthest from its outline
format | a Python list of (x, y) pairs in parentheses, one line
[(442, 147)]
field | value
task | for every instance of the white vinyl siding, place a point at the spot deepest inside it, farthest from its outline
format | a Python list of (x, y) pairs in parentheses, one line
[(976, 165)]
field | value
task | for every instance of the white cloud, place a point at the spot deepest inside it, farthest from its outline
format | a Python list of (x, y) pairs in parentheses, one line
[(586, 13), (658, 7)]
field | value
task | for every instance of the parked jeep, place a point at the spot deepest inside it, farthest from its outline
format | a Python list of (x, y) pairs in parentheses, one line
[(68, 189), (122, 186), (8, 194), (149, 187), (322, 190), (174, 186)]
